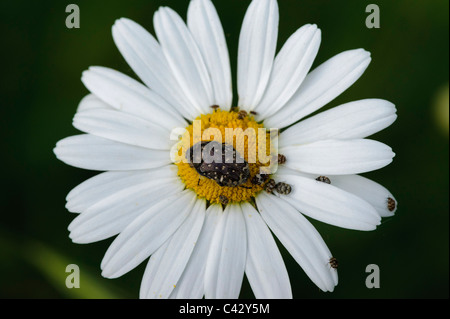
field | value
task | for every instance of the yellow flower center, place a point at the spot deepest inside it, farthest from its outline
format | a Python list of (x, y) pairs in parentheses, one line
[(247, 137)]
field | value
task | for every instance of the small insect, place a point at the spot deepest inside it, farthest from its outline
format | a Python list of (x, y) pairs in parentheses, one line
[(215, 107), (253, 113), (391, 204), (333, 263), (242, 114), (283, 188), (323, 179), (270, 186), (259, 179), (281, 159), (223, 200), (226, 174)]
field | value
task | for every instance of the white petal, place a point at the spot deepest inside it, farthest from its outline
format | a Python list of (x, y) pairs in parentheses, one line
[(184, 59), (353, 120), (91, 102), (374, 193), (127, 95), (168, 263), (322, 86), (227, 254), (300, 238), (146, 234), (206, 28), (122, 127), (143, 53), (265, 267), (191, 283), (113, 214), (96, 153), (257, 45), (338, 157), (329, 204), (290, 69), (106, 184)]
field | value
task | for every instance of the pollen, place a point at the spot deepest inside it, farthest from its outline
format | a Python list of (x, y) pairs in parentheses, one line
[(249, 139)]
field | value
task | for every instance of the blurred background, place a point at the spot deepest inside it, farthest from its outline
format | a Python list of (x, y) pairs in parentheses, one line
[(42, 61)]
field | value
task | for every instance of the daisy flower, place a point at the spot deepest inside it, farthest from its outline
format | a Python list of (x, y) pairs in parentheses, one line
[(203, 230)]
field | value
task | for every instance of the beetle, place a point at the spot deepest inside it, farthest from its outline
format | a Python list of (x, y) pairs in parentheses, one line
[(283, 188), (323, 179), (333, 262), (270, 186), (259, 179), (391, 204), (227, 167), (281, 159), (242, 114), (224, 200)]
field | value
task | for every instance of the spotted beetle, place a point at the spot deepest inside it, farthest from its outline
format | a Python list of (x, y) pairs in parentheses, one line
[(219, 162)]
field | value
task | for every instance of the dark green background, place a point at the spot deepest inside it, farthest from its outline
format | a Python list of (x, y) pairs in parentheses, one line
[(42, 62)]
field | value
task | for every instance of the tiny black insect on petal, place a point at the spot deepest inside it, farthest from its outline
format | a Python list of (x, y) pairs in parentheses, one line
[(333, 262), (391, 204), (281, 159), (270, 186), (283, 188), (323, 179)]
